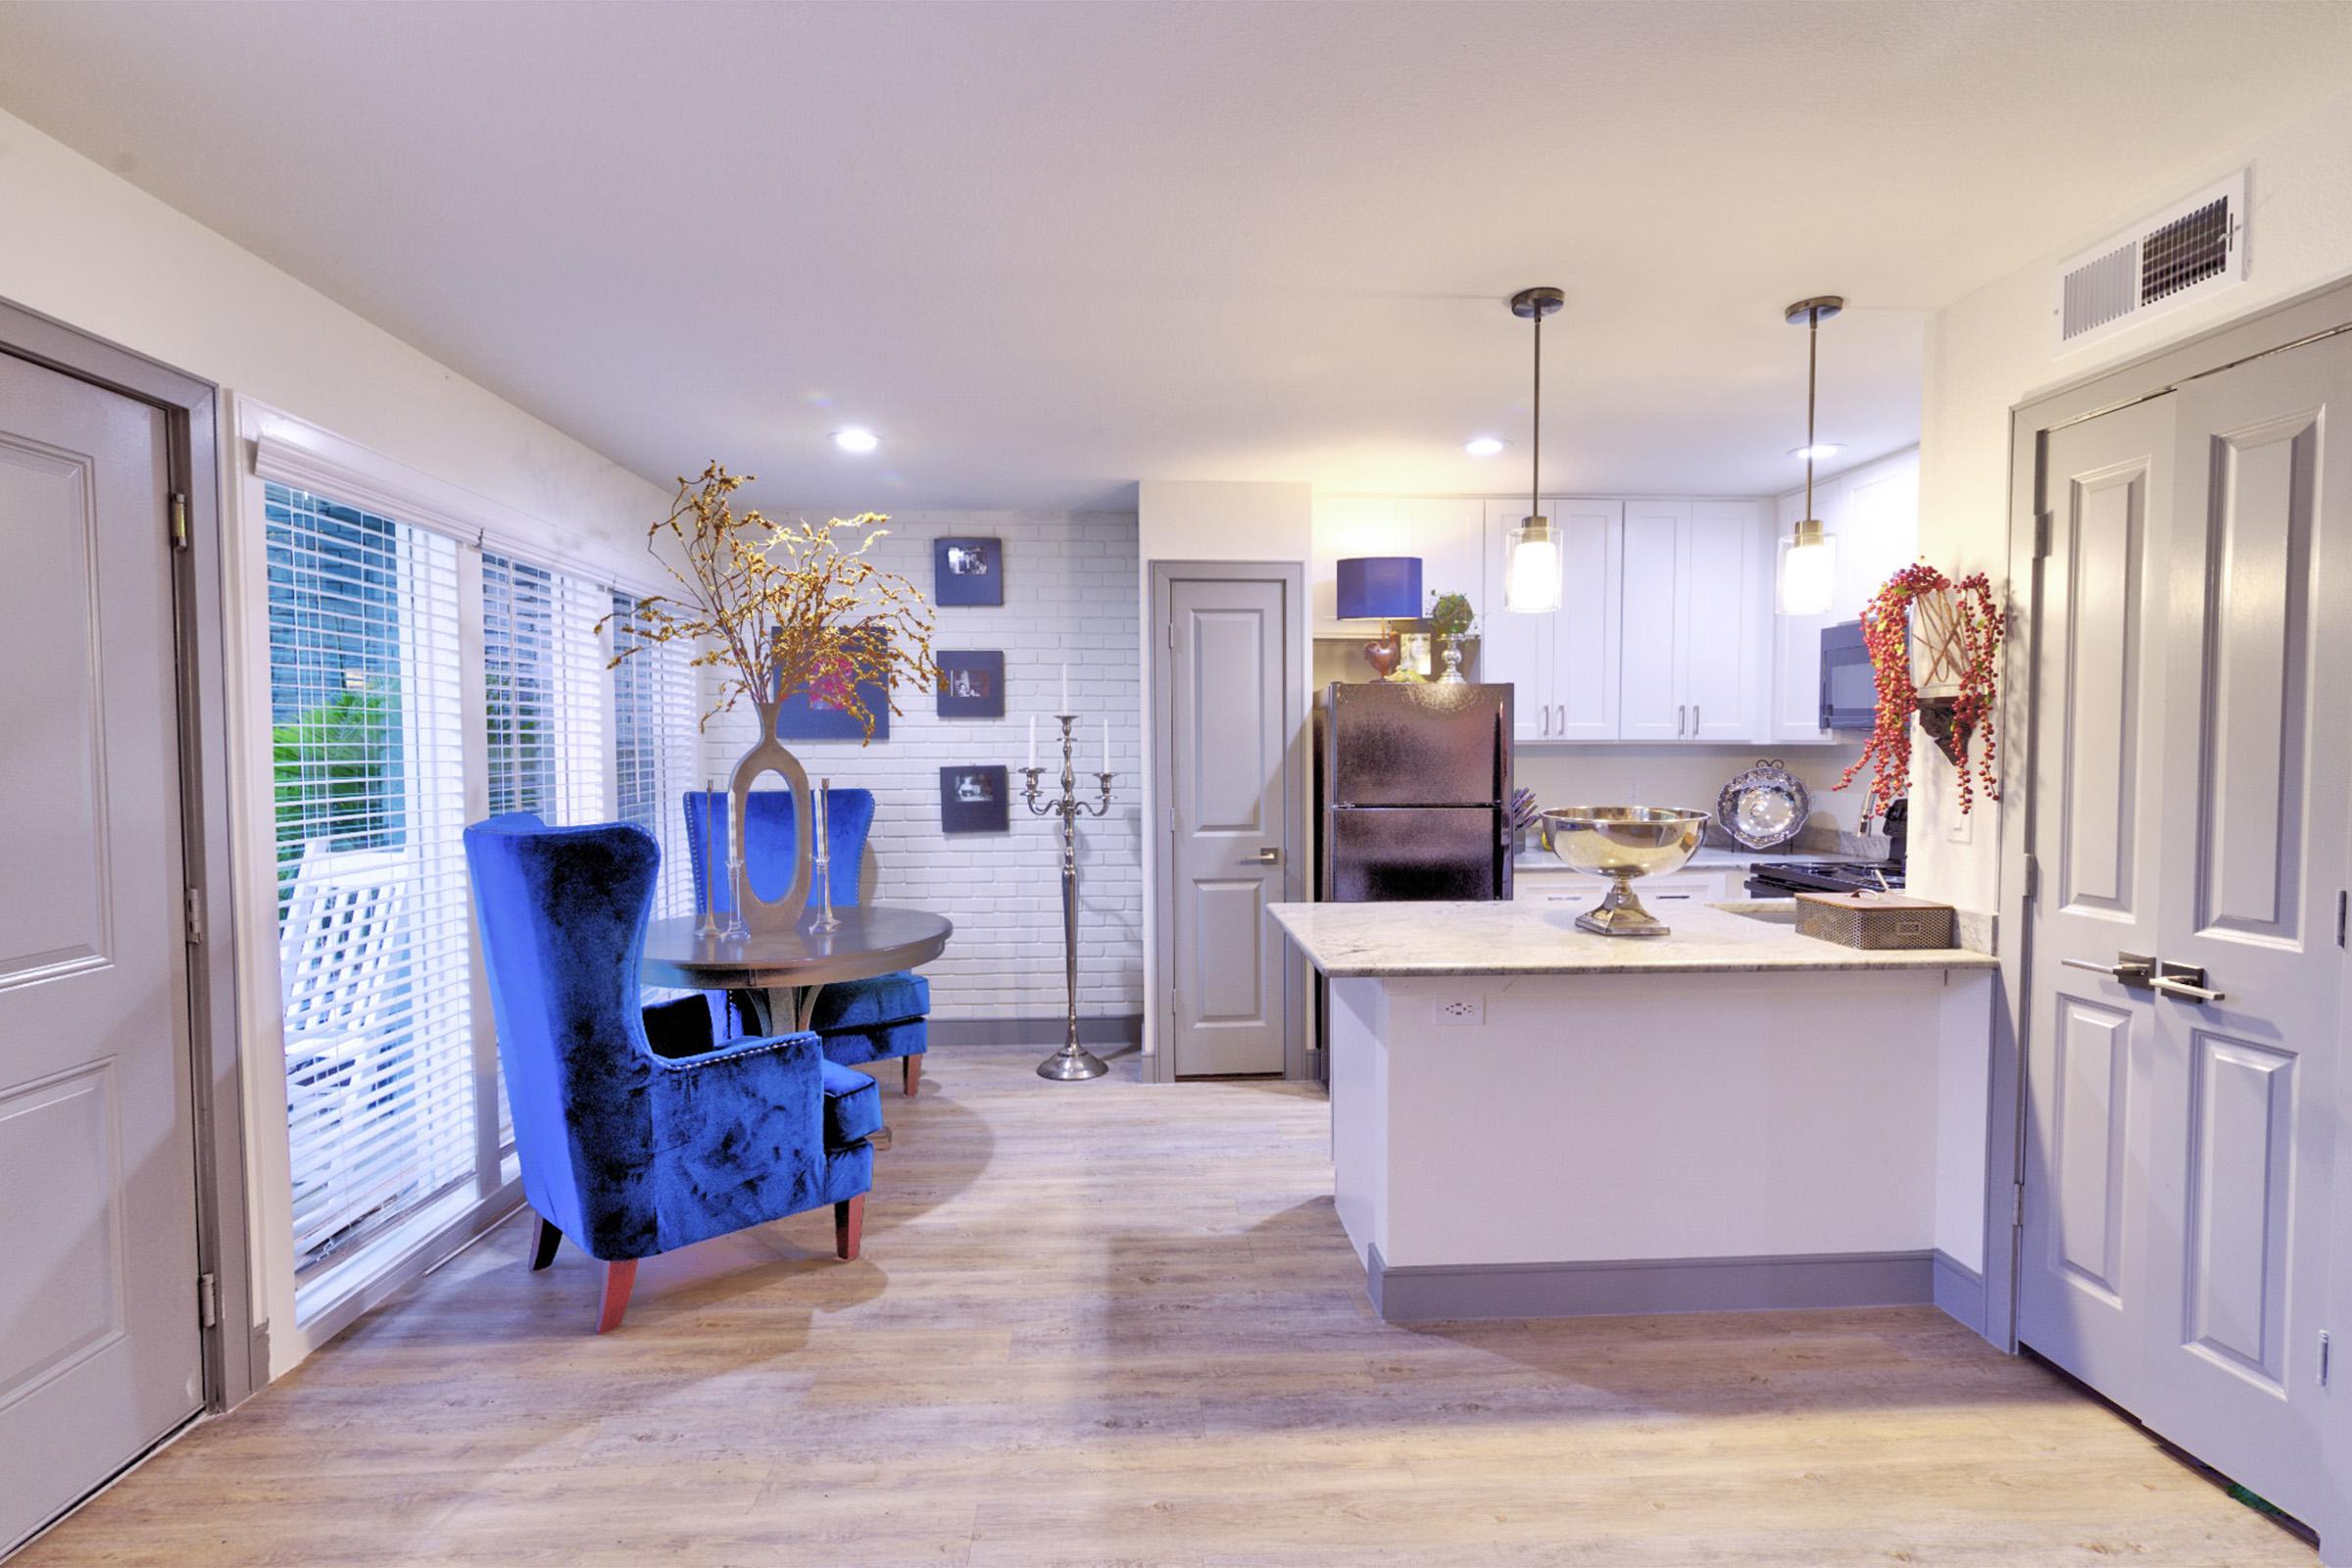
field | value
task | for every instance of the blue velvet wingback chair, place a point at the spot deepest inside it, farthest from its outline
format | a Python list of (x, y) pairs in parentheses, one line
[(858, 1020), (627, 1148)]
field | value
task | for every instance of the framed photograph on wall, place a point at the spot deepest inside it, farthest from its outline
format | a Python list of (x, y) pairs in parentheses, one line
[(972, 684), (972, 799), (967, 571), (806, 717)]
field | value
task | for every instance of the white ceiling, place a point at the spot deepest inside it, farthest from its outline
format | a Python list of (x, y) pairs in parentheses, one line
[(1047, 250)]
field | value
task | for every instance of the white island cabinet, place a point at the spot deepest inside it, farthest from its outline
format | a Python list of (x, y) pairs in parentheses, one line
[(1528, 1121)]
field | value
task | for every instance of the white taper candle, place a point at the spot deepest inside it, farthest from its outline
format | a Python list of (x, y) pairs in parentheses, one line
[(1032, 740), (1065, 689), (1107, 746)]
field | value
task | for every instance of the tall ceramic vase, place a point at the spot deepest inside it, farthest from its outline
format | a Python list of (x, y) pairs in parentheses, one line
[(769, 755)]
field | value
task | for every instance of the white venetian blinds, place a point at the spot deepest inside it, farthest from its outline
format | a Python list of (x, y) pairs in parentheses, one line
[(654, 724), (367, 714), (543, 670)]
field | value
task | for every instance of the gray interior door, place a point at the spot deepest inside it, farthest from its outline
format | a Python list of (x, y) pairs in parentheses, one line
[(2098, 799), (99, 1346), (2189, 787), (1227, 782)]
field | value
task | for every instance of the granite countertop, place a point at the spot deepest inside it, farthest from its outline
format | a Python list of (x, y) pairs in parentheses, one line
[(1347, 941)]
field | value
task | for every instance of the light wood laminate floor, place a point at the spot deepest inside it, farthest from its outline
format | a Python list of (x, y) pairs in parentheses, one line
[(1114, 1323)]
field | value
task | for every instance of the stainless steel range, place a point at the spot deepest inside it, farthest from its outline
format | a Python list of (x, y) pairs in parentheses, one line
[(1780, 879)]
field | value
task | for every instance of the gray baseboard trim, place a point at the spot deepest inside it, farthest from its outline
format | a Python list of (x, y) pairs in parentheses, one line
[(1046, 1033), (1444, 1291), (1960, 1293)]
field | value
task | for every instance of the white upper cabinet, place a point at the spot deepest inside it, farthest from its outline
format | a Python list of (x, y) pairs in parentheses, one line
[(1872, 513), (1563, 666), (1665, 631), (1652, 704), (1694, 607)]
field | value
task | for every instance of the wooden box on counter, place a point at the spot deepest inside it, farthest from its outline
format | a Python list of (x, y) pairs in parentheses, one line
[(1877, 921)]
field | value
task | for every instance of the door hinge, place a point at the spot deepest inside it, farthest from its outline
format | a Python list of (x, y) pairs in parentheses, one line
[(2342, 899), (195, 917), (2041, 535), (208, 1301), (179, 521), (2032, 878), (2017, 1207), (2326, 1351)]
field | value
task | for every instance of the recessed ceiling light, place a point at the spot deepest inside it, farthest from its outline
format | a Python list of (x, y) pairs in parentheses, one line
[(1484, 446), (857, 440), (1817, 451)]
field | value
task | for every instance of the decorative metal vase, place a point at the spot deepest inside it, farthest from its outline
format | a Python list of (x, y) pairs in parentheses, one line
[(769, 755)]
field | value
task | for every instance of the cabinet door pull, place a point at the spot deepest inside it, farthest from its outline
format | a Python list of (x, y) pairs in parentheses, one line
[(1695, 718), (1682, 715), (1547, 718)]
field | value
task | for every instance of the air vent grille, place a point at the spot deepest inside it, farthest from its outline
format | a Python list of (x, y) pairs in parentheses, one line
[(2188, 251), (2185, 252), (2097, 292)]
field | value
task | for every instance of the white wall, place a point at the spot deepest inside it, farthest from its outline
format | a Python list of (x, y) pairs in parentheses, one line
[(80, 244), (1990, 350), (1188, 519), (1069, 599)]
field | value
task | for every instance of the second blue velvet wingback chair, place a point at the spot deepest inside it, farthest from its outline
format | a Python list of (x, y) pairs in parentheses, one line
[(874, 1019), (627, 1150)]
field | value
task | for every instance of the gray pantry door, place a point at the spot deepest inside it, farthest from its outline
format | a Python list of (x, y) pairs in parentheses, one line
[(99, 1344), (2190, 769), (1227, 783)]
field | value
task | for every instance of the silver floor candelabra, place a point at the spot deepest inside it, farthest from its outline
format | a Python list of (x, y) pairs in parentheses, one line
[(1072, 1062)]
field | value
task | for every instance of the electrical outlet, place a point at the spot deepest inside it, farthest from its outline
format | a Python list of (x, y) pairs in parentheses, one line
[(1462, 1011)]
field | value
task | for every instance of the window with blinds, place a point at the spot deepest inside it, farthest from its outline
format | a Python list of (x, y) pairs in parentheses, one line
[(655, 721), (366, 738), (543, 670)]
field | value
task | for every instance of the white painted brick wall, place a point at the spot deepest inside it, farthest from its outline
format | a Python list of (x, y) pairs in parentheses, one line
[(1069, 598)]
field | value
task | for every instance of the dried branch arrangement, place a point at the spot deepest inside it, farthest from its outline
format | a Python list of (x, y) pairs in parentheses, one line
[(782, 609)]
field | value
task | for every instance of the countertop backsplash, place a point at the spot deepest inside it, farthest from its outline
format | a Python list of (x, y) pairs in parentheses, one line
[(1692, 776)]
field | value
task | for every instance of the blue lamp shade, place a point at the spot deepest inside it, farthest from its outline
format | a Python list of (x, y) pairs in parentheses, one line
[(1380, 588)]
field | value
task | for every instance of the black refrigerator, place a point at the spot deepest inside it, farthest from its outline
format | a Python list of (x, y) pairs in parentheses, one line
[(1416, 791)]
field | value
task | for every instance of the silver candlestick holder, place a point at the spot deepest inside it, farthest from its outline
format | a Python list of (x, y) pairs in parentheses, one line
[(1072, 1062)]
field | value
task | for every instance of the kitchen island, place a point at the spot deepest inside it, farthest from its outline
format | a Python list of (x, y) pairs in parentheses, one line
[(1530, 1120)]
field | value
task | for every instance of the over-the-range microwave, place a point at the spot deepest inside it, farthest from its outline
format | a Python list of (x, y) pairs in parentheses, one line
[(1849, 692)]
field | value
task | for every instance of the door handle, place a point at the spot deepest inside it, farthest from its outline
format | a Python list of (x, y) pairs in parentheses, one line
[(2129, 969), (1682, 717), (1547, 718), (1695, 718), (1266, 857), (2184, 981), (1563, 719)]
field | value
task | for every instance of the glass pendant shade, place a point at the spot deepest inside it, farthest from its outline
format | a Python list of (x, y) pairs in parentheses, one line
[(1807, 584), (1531, 577)]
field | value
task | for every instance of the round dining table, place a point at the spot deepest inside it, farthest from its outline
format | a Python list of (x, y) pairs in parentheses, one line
[(785, 970)]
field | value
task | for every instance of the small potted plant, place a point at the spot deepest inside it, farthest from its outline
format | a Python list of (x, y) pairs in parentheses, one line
[(1451, 618)]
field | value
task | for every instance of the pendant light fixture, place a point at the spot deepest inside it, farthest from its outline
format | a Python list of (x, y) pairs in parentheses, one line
[(1808, 575), (1531, 578)]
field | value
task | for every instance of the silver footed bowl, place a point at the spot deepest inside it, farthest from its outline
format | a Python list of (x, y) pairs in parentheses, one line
[(1623, 841)]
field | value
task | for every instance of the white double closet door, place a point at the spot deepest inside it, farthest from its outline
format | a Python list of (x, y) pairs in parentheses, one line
[(2192, 772)]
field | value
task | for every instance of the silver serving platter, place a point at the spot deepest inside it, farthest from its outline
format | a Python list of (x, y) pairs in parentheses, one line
[(1621, 843), (1764, 806)]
